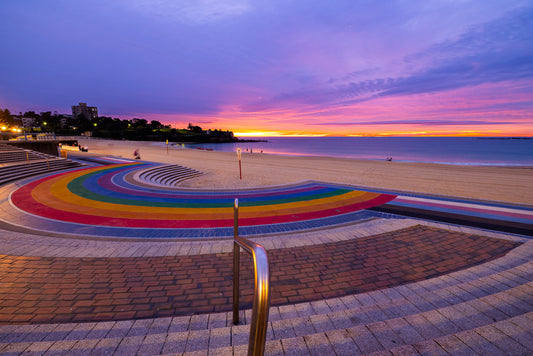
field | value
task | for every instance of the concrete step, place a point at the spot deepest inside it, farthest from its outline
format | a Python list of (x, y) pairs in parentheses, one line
[(486, 309), (15, 172), (435, 332), (166, 175)]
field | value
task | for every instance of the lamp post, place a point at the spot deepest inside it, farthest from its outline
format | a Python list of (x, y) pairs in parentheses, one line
[(239, 157)]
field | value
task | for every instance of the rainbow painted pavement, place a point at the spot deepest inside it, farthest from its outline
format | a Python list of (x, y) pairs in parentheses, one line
[(104, 201), (100, 201)]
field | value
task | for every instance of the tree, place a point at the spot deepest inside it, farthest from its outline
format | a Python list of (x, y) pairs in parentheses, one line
[(155, 125), (53, 122), (141, 123), (30, 114), (84, 124), (195, 129), (6, 119)]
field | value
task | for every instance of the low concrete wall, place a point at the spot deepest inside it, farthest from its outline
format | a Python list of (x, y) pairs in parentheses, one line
[(49, 146)]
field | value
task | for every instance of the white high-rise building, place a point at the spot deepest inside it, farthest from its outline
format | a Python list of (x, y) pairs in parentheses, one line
[(90, 112)]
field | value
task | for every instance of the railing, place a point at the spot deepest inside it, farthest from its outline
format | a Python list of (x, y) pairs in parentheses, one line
[(32, 136), (261, 302)]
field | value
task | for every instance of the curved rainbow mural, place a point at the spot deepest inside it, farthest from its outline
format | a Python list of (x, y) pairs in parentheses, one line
[(100, 201)]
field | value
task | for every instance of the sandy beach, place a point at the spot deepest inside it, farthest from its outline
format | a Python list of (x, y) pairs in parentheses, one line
[(493, 183)]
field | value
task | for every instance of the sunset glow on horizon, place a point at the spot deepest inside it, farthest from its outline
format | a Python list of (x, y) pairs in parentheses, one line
[(272, 68)]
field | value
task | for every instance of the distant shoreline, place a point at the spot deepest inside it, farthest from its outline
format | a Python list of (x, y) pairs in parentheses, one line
[(462, 151)]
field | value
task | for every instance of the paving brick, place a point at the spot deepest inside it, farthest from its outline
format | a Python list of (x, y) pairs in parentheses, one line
[(318, 344), (107, 346), (129, 345), (295, 346), (525, 321), (477, 343), (502, 341), (385, 335), (404, 330), (405, 350), (220, 337), (364, 339), (522, 336), (83, 347), (218, 320), (197, 340), (38, 347), (423, 326), (453, 345), (240, 335), (175, 343), (152, 344), (441, 322), (429, 347), (302, 326), (342, 342)]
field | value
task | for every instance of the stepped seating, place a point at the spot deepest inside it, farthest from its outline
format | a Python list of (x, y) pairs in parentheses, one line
[(18, 171), (7, 147), (167, 175), (10, 154), (487, 309), (17, 163)]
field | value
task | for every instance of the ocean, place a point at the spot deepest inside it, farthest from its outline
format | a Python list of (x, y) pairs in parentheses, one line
[(445, 150)]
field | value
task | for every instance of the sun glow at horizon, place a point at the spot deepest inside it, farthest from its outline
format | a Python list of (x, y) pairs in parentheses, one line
[(275, 134), (464, 133)]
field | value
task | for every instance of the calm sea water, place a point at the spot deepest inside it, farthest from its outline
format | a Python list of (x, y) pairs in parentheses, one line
[(451, 150)]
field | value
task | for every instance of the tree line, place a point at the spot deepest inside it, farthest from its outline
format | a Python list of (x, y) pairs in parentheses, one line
[(112, 128)]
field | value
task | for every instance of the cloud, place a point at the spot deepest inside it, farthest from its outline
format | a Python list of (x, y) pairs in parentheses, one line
[(190, 11), (419, 123), (497, 51), (297, 61)]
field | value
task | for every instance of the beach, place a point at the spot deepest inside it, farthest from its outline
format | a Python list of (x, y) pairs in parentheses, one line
[(492, 183)]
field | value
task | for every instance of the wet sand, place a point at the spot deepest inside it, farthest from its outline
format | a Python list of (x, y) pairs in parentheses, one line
[(494, 183)]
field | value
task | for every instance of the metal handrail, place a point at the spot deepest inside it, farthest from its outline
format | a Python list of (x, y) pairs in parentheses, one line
[(261, 302)]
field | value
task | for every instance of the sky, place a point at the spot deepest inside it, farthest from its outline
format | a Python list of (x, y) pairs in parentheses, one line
[(277, 67)]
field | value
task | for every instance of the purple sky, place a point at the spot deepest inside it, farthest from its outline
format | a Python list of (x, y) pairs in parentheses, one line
[(336, 67)]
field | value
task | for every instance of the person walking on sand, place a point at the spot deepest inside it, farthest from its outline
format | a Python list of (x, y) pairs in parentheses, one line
[(136, 154)]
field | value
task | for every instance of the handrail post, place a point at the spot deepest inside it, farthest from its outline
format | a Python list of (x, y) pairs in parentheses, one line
[(236, 263), (261, 301)]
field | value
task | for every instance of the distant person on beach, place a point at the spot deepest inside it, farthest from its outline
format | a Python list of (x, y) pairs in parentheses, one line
[(137, 154)]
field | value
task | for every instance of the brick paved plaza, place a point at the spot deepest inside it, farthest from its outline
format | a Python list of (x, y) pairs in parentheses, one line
[(418, 288), (65, 289), (382, 284)]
